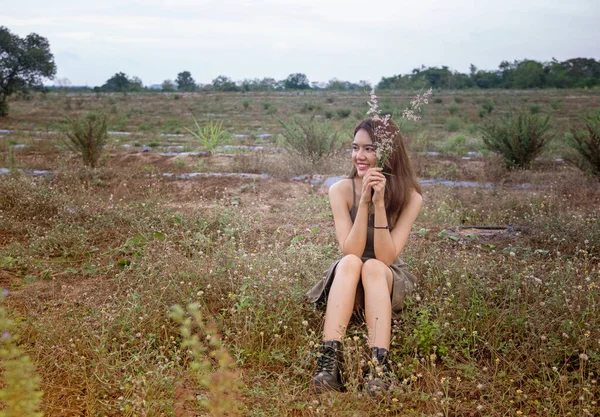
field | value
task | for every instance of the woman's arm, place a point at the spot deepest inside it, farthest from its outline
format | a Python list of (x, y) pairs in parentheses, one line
[(389, 244), (351, 237)]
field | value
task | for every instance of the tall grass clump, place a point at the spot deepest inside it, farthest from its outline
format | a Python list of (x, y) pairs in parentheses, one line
[(310, 139), (223, 383), (343, 113), (486, 108), (87, 136), (535, 108), (518, 138), (453, 124), (587, 143), (210, 135), (20, 394)]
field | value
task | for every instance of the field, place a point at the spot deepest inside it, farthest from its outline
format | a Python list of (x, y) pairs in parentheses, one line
[(505, 322)]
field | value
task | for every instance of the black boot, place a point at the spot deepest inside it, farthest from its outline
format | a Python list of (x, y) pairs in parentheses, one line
[(377, 380), (328, 376)]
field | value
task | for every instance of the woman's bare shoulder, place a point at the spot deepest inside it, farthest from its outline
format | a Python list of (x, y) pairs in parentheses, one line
[(341, 187), (341, 190), (416, 197)]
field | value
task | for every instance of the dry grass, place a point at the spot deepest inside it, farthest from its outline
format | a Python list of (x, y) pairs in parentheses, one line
[(505, 323)]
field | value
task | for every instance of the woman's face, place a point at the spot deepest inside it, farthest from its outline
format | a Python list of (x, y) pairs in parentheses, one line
[(363, 152)]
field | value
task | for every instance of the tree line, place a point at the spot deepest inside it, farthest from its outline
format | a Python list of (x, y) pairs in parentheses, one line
[(525, 74), (26, 62)]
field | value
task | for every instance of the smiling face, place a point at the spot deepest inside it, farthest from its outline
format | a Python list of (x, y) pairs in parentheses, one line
[(363, 152)]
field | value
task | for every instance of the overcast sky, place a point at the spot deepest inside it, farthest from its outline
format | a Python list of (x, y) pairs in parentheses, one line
[(325, 39)]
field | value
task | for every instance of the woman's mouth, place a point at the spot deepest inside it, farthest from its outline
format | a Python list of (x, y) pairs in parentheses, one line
[(362, 167)]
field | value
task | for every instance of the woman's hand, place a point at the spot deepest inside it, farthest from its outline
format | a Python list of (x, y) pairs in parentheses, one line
[(373, 180), (379, 189)]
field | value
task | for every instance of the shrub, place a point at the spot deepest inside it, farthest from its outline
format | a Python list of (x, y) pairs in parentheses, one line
[(458, 100), (453, 124), (87, 136), (343, 113), (457, 145), (587, 143), (535, 109), (307, 107), (328, 114), (519, 139), (211, 135), (472, 129), (266, 104), (453, 109), (310, 139), (438, 100), (556, 104), (486, 107), (246, 104)]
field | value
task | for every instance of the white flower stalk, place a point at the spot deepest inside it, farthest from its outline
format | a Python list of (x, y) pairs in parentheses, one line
[(384, 136), (373, 106), (416, 105)]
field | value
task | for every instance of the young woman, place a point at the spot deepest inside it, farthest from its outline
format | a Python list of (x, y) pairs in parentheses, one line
[(374, 211)]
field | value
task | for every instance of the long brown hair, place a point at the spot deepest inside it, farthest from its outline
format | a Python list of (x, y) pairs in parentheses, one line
[(401, 178)]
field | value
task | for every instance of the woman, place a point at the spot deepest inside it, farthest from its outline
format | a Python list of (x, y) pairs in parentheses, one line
[(374, 211)]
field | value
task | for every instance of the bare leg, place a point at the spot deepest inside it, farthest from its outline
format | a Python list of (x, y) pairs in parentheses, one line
[(377, 282), (340, 301)]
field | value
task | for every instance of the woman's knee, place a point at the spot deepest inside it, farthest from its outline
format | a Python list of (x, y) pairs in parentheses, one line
[(374, 271), (351, 262), (349, 268)]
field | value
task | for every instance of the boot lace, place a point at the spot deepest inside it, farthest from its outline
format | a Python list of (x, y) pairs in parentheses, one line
[(326, 362)]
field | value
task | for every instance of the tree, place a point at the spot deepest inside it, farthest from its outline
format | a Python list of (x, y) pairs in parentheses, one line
[(486, 79), (335, 84), (505, 72), (364, 84), (584, 72), (168, 86), (256, 84), (472, 70), (24, 63), (185, 82), (223, 83), (528, 74), (556, 75), (119, 82), (296, 81), (62, 83), (136, 84)]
